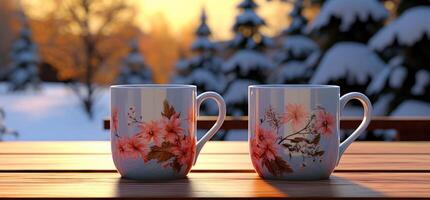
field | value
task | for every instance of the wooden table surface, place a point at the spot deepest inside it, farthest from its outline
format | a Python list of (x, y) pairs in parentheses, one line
[(85, 169)]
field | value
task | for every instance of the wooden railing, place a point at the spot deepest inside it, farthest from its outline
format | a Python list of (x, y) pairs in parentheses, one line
[(408, 128)]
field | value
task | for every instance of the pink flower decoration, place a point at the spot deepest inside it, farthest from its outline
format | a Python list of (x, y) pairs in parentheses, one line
[(152, 130), (122, 147), (324, 123), (185, 151), (114, 120), (267, 148), (255, 155), (172, 128), (137, 147), (296, 114)]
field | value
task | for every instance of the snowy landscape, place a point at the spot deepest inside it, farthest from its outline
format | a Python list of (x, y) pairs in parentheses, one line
[(362, 46), (53, 113)]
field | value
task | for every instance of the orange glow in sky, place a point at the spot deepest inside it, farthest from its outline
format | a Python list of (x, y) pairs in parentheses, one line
[(181, 13), (221, 14)]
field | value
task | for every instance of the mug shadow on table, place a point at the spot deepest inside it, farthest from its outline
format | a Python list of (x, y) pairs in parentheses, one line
[(154, 188), (335, 186)]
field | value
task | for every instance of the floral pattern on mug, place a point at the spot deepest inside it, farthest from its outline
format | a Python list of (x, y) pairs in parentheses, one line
[(304, 140), (265, 152), (163, 140)]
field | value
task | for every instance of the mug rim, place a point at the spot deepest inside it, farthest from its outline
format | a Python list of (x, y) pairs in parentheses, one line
[(300, 86), (153, 86)]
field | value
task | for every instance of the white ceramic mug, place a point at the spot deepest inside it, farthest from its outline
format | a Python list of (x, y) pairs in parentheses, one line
[(153, 129), (294, 129)]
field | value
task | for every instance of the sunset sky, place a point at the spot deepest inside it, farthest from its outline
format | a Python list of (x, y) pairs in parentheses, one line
[(180, 13), (221, 13)]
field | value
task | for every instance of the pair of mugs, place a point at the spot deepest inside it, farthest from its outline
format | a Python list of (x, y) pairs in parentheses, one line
[(293, 129)]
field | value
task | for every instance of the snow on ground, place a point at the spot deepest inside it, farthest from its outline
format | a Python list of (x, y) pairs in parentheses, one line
[(407, 29), (350, 60), (54, 113), (348, 12)]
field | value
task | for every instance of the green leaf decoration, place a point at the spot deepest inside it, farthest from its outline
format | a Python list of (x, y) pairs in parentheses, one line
[(168, 110)]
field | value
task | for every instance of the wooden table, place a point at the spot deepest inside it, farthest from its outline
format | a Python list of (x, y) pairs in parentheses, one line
[(85, 169)]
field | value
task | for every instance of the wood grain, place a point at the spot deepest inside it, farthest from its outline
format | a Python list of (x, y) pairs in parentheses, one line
[(85, 170), (244, 185), (209, 162), (212, 147)]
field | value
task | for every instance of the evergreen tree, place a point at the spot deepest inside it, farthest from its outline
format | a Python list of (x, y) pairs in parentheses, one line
[(407, 4), (403, 88), (248, 65), (203, 69), (298, 21), (293, 65), (343, 20), (342, 29), (350, 65), (23, 72), (134, 69)]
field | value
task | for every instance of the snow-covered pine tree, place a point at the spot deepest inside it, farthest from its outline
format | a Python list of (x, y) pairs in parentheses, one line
[(134, 69), (248, 65), (298, 54), (342, 29), (204, 68), (403, 88), (406, 4), (298, 21), (344, 20), (23, 71), (350, 65)]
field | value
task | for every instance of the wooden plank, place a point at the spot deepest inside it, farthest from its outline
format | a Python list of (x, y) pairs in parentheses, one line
[(212, 147), (212, 185), (210, 162), (56, 147)]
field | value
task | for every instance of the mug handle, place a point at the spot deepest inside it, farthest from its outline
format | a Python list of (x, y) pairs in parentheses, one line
[(366, 118), (221, 116)]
